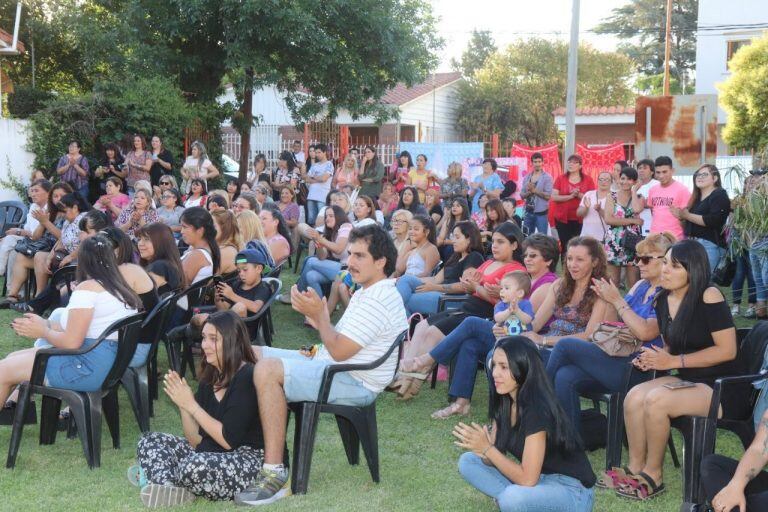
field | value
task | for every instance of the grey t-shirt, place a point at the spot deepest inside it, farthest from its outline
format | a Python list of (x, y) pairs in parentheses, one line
[(170, 218), (543, 184)]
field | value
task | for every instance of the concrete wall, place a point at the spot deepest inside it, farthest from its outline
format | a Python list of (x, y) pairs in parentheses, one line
[(712, 46), (14, 157)]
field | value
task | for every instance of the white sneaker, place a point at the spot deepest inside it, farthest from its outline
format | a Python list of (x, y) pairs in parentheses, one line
[(735, 310), (157, 495)]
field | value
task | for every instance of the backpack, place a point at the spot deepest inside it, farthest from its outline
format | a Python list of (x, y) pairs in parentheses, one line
[(258, 245)]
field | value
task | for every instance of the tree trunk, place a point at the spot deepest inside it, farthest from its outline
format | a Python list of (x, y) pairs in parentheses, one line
[(245, 128)]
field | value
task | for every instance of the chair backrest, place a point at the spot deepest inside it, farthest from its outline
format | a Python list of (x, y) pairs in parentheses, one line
[(128, 330), (437, 268), (12, 214), (64, 276), (275, 285), (275, 272), (155, 322), (752, 350), (194, 293)]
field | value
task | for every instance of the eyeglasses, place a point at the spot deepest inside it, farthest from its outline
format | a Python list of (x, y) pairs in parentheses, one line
[(237, 206), (645, 260), (167, 196), (165, 182), (701, 175), (399, 221)]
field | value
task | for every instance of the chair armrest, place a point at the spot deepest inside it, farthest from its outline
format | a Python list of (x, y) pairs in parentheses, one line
[(722, 383), (43, 355), (449, 298)]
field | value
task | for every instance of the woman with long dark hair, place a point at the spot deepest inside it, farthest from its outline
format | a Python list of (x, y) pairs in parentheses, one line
[(528, 423), (700, 343), (222, 449), (622, 215), (422, 294), (458, 212), (203, 258), (567, 193), (111, 166), (421, 255), (399, 173), (371, 173), (409, 200), (495, 215), (198, 193), (160, 257), (102, 298)]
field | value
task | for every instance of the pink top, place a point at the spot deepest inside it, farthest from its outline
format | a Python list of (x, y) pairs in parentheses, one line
[(593, 225), (346, 178), (120, 200), (549, 277), (660, 199), (278, 239), (495, 276)]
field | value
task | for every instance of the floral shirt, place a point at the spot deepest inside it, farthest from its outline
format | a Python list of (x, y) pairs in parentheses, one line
[(70, 234), (71, 175), (452, 189), (149, 216), (136, 165)]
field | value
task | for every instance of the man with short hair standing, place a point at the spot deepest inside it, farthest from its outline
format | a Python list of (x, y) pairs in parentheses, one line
[(537, 187), (373, 320), (645, 171), (667, 193)]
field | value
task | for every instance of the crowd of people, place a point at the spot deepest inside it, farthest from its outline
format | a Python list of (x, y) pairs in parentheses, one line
[(384, 246)]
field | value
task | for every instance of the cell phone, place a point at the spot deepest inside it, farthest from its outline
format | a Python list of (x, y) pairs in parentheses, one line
[(681, 384)]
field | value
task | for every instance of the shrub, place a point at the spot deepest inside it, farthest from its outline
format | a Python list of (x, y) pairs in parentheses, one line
[(26, 100)]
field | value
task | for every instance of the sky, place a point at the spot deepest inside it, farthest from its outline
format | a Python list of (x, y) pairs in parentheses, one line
[(509, 20)]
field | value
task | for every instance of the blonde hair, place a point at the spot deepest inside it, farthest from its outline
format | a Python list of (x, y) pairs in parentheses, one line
[(346, 199), (220, 193), (250, 226), (656, 242), (455, 166), (228, 232)]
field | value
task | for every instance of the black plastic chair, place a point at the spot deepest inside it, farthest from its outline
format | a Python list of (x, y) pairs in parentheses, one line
[(194, 294), (261, 320), (85, 407), (447, 302), (135, 381), (13, 214), (700, 433), (357, 425)]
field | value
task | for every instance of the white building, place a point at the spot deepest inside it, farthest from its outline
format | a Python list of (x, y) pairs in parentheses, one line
[(724, 27)]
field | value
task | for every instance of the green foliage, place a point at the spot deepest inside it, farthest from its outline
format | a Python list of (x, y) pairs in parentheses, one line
[(481, 46), (641, 26), (112, 113), (653, 85), (517, 89), (26, 100), (14, 183), (744, 97)]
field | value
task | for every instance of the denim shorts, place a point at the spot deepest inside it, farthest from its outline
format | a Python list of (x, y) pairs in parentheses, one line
[(85, 372), (303, 376)]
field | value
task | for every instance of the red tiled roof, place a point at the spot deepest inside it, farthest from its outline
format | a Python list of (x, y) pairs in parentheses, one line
[(401, 94), (8, 39), (598, 111)]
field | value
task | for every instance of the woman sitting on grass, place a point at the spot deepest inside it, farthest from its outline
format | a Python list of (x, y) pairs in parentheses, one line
[(529, 424), (102, 298), (222, 449)]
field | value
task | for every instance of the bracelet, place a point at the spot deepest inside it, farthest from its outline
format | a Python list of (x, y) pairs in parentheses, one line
[(486, 450), (622, 308)]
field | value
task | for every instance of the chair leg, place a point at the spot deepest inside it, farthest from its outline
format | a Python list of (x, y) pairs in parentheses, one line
[(692, 454), (142, 382), (433, 378), (86, 411), (615, 432), (369, 438), (50, 408), (131, 383), (673, 451), (18, 424), (111, 411), (349, 438), (303, 445)]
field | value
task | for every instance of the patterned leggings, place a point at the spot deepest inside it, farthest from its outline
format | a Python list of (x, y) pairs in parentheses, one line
[(166, 458)]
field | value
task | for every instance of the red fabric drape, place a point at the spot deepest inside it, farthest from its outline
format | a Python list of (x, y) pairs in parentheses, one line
[(551, 155), (600, 158)]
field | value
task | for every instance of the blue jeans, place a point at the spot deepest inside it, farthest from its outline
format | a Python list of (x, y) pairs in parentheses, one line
[(313, 207), (743, 272), (714, 252), (468, 343), (553, 492), (757, 262), (533, 222), (317, 272), (422, 302), (576, 366)]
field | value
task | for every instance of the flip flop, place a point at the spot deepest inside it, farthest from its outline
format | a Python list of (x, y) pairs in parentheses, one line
[(641, 487), (614, 477)]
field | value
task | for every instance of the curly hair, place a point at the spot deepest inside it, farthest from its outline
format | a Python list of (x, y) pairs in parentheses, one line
[(568, 287)]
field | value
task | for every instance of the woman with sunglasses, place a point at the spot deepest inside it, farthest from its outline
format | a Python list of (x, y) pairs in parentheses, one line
[(708, 209), (166, 182), (170, 210), (577, 366)]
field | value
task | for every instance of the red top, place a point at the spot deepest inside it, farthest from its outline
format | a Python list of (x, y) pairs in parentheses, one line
[(566, 211), (495, 276)]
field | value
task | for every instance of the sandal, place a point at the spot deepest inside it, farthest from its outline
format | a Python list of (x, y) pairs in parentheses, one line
[(417, 364), (8, 301), (454, 409), (640, 487), (136, 476), (614, 478), (411, 391)]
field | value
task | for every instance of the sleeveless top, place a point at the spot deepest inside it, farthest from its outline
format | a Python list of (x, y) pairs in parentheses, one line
[(202, 273), (568, 320), (415, 264)]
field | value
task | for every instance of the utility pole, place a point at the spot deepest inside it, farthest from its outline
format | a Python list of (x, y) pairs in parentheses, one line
[(667, 47), (573, 71)]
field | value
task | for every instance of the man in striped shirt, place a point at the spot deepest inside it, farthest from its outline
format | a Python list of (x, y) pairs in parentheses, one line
[(371, 323)]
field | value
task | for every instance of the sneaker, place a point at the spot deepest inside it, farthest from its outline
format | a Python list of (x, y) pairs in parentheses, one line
[(750, 312), (269, 487), (137, 477), (157, 495), (284, 298), (735, 310)]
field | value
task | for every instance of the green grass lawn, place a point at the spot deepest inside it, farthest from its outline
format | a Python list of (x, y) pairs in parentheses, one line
[(417, 457)]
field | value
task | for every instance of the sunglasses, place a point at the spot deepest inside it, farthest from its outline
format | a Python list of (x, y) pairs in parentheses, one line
[(645, 260), (165, 182)]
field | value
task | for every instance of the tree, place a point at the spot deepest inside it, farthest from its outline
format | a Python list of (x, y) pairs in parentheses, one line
[(744, 97), (641, 25), (481, 46), (517, 90)]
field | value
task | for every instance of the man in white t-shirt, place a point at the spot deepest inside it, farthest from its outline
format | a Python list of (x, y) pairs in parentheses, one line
[(38, 193), (298, 154), (645, 172), (373, 320), (318, 180)]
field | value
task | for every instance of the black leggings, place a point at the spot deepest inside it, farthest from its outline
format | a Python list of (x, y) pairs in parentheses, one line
[(717, 471), (566, 231)]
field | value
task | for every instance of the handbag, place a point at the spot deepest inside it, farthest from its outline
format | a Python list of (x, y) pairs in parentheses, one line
[(301, 197), (630, 240), (615, 339), (724, 271), (29, 247)]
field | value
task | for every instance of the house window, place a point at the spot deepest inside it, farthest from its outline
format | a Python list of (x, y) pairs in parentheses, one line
[(733, 47)]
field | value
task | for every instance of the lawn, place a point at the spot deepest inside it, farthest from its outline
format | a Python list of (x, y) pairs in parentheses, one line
[(417, 457)]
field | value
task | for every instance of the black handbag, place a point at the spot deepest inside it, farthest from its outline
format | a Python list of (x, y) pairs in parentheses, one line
[(724, 271), (630, 240), (29, 247)]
